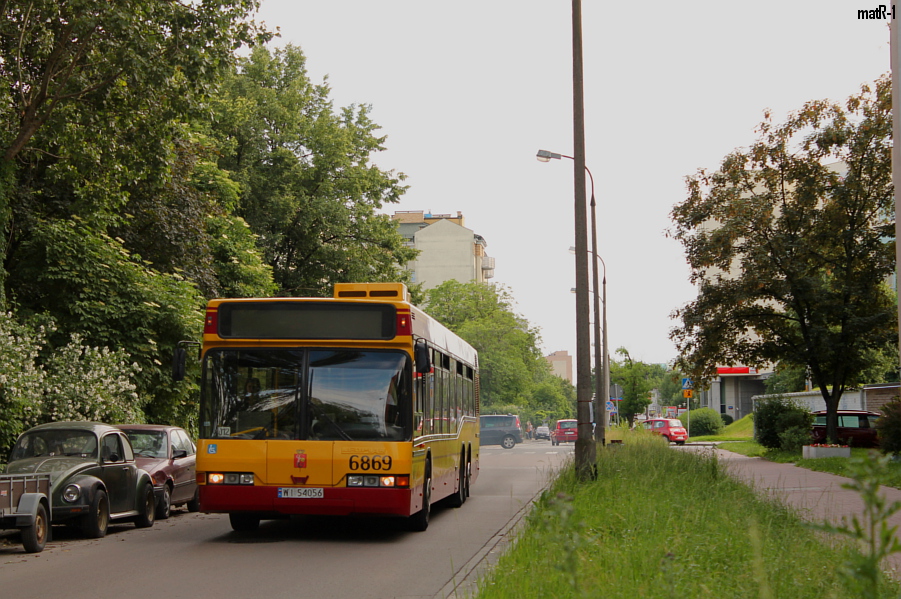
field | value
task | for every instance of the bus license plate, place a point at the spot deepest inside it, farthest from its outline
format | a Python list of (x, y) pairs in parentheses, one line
[(296, 493)]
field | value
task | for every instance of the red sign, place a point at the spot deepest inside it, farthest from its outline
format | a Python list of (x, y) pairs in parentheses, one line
[(300, 460), (736, 370)]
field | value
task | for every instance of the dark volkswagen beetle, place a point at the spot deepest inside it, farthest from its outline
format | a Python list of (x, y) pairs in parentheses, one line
[(168, 455), (93, 475)]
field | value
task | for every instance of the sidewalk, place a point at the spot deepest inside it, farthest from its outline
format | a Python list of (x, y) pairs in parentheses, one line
[(817, 496)]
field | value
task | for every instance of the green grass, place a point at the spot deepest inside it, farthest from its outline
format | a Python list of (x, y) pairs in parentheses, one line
[(659, 523), (740, 430)]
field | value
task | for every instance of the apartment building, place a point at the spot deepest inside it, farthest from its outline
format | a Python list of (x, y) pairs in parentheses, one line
[(561, 364), (448, 250)]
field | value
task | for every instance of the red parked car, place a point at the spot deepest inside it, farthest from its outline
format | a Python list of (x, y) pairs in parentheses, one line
[(565, 431), (670, 429), (169, 456)]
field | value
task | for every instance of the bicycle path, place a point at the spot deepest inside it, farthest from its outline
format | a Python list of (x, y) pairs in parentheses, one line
[(816, 496)]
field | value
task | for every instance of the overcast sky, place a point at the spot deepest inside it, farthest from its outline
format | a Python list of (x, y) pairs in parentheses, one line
[(468, 91)]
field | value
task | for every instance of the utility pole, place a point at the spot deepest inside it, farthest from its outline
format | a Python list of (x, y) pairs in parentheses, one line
[(586, 455)]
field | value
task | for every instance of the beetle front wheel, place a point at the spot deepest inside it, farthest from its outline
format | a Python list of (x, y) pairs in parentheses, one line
[(96, 521)]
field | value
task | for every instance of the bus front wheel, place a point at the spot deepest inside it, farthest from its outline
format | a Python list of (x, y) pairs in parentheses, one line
[(243, 522), (459, 498), (420, 520)]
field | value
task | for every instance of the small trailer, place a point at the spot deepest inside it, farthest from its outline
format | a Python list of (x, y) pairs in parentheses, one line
[(25, 504)]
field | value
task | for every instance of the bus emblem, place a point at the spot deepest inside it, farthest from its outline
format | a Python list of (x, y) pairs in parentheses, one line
[(300, 460)]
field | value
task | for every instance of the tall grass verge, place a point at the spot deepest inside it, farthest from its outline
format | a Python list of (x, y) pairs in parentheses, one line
[(665, 523)]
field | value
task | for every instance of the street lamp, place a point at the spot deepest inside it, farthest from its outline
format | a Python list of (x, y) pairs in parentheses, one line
[(602, 359), (586, 454), (601, 364)]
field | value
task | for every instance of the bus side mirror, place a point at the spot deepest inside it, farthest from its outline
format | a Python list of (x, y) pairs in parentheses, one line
[(422, 356), (179, 357)]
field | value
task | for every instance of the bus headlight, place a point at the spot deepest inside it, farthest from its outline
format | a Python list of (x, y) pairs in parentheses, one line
[(374, 480), (230, 478)]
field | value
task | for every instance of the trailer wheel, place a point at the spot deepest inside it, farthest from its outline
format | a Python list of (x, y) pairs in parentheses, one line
[(34, 537)]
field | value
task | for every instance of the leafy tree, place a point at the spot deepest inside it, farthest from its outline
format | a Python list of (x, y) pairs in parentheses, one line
[(635, 380), (787, 379), (307, 188), (88, 90), (512, 368), (183, 223), (669, 386), (93, 286), (789, 244), (553, 398)]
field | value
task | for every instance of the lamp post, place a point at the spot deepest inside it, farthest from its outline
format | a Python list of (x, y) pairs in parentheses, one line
[(601, 362), (586, 454)]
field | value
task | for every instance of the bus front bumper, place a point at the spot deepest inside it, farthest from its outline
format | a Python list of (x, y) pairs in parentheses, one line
[(336, 501)]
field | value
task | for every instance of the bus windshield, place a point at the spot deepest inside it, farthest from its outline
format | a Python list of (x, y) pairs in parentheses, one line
[(318, 394)]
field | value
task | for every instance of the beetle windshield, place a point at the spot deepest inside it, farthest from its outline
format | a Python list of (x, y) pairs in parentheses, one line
[(55, 443)]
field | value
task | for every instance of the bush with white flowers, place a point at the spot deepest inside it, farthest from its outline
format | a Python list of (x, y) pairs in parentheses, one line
[(73, 382), (21, 379), (90, 383)]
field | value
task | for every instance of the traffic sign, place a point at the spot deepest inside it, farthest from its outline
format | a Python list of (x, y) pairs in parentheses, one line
[(687, 393), (687, 384)]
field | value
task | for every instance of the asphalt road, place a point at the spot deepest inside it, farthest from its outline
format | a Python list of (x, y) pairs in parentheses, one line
[(198, 555)]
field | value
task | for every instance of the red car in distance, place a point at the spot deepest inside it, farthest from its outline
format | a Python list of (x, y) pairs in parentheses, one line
[(169, 456), (565, 431), (670, 429)]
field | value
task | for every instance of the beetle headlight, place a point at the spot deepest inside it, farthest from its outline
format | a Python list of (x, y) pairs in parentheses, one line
[(71, 493)]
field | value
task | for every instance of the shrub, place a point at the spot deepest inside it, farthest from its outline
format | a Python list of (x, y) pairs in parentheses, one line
[(794, 438), (703, 421), (21, 380), (775, 415), (727, 419), (888, 427), (90, 383)]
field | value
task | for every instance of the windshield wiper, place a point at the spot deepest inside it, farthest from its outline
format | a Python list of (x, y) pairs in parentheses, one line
[(324, 416)]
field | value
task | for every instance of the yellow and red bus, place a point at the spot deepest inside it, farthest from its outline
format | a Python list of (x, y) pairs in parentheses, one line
[(356, 404)]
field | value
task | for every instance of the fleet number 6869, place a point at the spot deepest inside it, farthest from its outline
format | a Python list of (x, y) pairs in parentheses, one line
[(366, 463)]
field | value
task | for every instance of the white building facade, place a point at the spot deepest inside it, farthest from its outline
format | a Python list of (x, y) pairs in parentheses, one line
[(448, 250)]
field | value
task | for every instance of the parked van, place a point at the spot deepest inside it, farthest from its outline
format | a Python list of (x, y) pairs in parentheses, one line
[(503, 430)]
